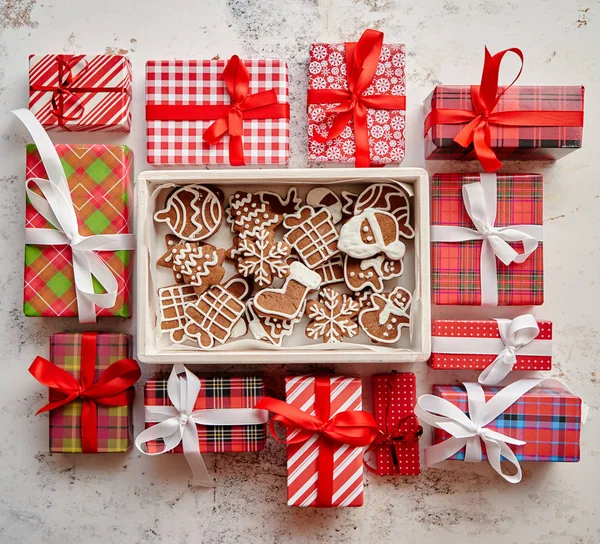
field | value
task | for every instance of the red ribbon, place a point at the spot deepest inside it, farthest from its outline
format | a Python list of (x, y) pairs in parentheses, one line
[(484, 99), (361, 64), (229, 117), (64, 91), (355, 428), (113, 387)]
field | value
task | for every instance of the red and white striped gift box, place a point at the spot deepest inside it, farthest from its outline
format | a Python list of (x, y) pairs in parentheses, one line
[(302, 459), (198, 83), (81, 92)]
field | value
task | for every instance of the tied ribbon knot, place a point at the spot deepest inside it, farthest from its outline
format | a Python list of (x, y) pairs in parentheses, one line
[(361, 64), (353, 428), (113, 387), (484, 100)]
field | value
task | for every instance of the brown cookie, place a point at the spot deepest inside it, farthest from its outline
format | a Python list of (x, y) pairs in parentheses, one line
[(332, 271), (388, 314), (282, 205), (348, 201), (370, 273), (172, 302), (270, 329), (332, 317), (193, 213), (248, 213)]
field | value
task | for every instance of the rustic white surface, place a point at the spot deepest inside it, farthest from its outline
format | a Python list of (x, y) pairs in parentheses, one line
[(127, 498)]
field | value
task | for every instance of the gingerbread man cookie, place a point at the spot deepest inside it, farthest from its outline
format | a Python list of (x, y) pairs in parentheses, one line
[(172, 302), (247, 213), (388, 314), (332, 317), (370, 273)]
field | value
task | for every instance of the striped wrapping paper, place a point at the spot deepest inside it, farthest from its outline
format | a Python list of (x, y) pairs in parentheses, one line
[(215, 393), (508, 142), (103, 109), (548, 419), (346, 394), (114, 422)]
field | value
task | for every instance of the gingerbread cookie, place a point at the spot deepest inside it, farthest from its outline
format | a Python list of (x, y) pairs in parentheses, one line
[(348, 201), (363, 298), (289, 204), (192, 213), (332, 271), (388, 315), (370, 233), (332, 317), (262, 257), (322, 197), (361, 274), (248, 213), (217, 314), (270, 329), (288, 301), (172, 302), (313, 235), (388, 197)]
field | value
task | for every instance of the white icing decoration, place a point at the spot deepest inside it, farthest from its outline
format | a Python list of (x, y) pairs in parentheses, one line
[(316, 196), (175, 297)]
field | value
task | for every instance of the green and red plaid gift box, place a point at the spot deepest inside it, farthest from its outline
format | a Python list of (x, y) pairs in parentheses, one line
[(456, 266), (100, 178), (228, 392), (548, 419)]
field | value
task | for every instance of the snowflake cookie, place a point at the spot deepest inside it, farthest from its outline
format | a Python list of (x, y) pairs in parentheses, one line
[(332, 317)]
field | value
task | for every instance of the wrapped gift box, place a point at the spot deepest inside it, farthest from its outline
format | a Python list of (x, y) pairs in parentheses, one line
[(181, 97), (81, 92), (386, 127), (547, 418), (114, 423), (100, 178), (475, 344), (227, 392), (456, 265)]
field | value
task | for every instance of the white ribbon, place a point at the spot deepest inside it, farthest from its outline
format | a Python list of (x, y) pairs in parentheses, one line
[(468, 431), (480, 203), (177, 424), (57, 208), (516, 336)]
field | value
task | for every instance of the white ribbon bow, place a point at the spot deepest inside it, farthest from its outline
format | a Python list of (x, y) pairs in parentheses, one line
[(177, 424), (57, 208), (480, 203)]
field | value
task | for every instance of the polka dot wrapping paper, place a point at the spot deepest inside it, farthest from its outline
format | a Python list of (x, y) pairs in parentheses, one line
[(481, 343)]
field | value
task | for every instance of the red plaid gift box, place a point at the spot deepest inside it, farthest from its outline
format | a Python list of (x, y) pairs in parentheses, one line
[(181, 98), (397, 448), (456, 262), (81, 92), (384, 140), (70, 352)]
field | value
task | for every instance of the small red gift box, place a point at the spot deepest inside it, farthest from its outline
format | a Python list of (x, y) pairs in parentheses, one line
[(81, 92)]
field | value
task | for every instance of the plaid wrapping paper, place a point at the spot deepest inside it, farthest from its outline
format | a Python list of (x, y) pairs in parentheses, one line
[(548, 419), (114, 422), (455, 266), (393, 404), (178, 82), (482, 328), (215, 393), (302, 459), (102, 110), (327, 70), (508, 142), (100, 178)]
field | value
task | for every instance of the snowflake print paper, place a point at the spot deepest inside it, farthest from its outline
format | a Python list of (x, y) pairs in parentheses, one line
[(332, 317), (260, 256)]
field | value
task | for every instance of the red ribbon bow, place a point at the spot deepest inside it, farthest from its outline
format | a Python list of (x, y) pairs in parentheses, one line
[(113, 387), (355, 428), (361, 64), (485, 98)]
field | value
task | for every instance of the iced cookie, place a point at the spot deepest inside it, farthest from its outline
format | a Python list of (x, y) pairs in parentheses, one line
[(270, 329), (348, 201), (289, 204), (172, 302), (388, 315), (322, 197), (332, 271), (332, 317), (248, 213), (370, 273)]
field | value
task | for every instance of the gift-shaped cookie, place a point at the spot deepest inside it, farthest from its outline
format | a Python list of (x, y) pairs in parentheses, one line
[(486, 239)]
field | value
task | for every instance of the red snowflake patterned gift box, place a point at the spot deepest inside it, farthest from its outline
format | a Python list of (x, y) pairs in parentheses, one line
[(81, 92), (218, 112), (356, 102), (486, 239)]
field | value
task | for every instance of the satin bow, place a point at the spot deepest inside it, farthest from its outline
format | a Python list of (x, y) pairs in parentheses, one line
[(56, 207), (113, 387), (176, 424), (361, 64)]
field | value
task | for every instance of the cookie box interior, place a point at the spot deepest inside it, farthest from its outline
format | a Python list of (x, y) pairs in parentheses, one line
[(155, 346)]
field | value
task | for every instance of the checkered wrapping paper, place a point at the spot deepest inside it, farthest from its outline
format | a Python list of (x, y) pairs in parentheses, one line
[(455, 266), (215, 393), (548, 419), (100, 178), (327, 70), (200, 82), (482, 328), (508, 142), (391, 404), (103, 110), (114, 422)]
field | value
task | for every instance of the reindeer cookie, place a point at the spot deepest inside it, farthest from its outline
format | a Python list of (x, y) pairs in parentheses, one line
[(388, 314)]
